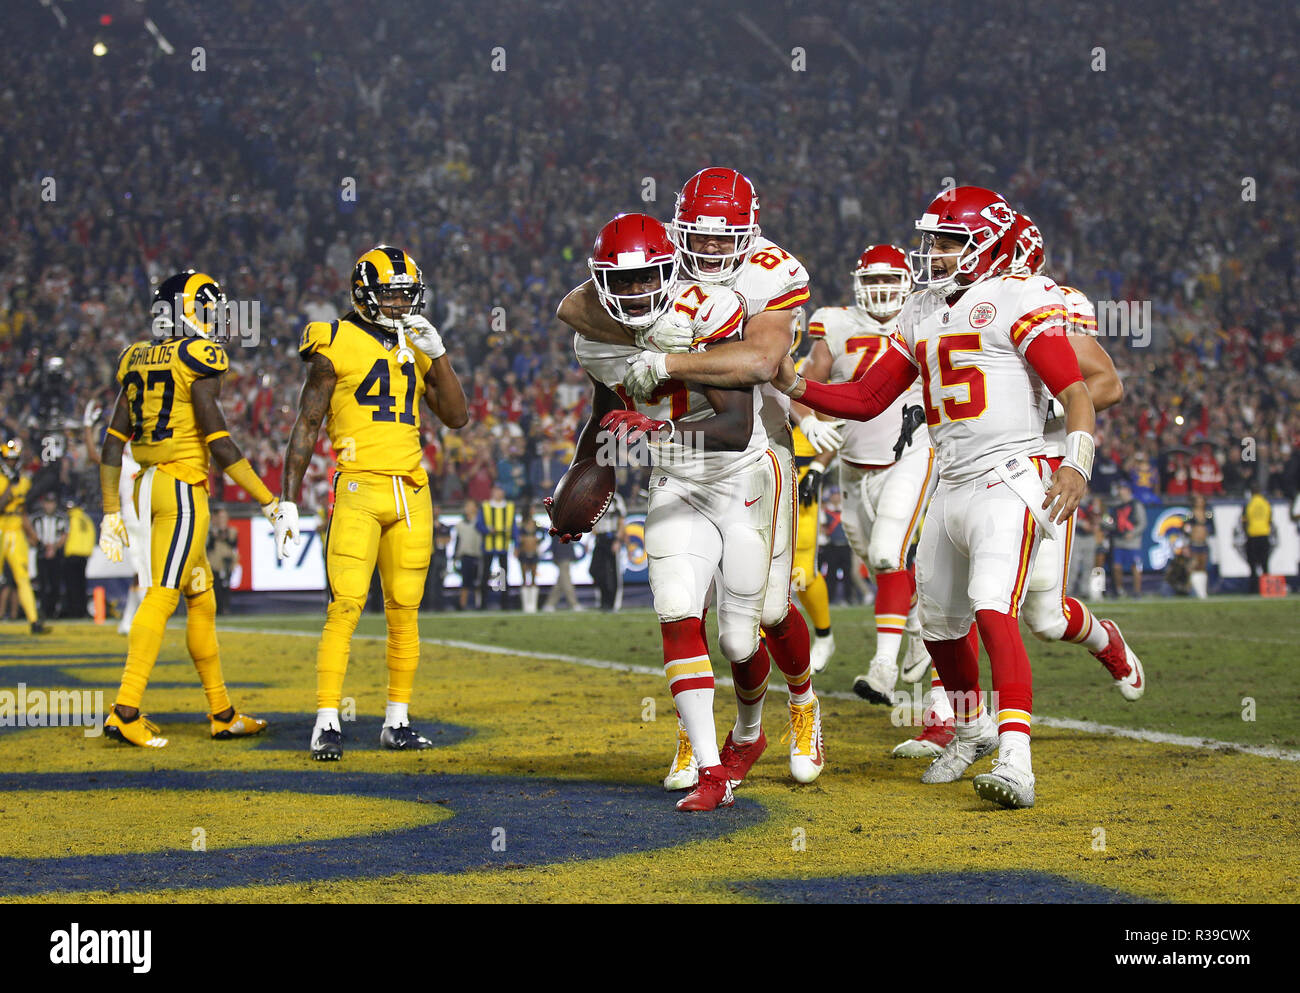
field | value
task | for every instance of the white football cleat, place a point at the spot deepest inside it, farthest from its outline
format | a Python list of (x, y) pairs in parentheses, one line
[(807, 747), (916, 659), (1007, 785), (822, 650), (961, 753), (684, 773), (877, 686), (1118, 656)]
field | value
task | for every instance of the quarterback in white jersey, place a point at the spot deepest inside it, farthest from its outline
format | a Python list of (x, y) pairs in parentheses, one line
[(983, 345), (1050, 613), (886, 466), (714, 490)]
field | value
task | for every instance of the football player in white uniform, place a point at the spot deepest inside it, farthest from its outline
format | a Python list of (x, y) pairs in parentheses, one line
[(716, 232), (886, 464), (1050, 614), (984, 344), (714, 491)]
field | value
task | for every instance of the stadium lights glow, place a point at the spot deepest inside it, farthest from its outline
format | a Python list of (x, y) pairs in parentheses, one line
[(100, 49), (1179, 419)]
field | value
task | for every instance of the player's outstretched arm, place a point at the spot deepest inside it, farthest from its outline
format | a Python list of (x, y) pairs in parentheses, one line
[(112, 532), (859, 400), (1098, 371), (313, 403), (581, 310), (205, 395), (603, 401), (822, 433), (444, 394), (750, 361)]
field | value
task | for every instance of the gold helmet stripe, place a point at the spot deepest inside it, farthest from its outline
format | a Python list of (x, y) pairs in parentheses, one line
[(378, 258)]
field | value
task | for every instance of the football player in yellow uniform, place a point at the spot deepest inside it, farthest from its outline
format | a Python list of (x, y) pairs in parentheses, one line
[(810, 468), (16, 529), (363, 373), (167, 408)]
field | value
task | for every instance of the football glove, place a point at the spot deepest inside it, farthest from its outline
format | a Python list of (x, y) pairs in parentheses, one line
[(553, 532), (284, 518), (667, 336), (91, 414), (810, 487), (112, 537), (647, 370), (824, 436), (913, 418), (424, 336), (629, 426)]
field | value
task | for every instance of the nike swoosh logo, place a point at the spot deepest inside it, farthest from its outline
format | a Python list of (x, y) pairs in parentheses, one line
[(750, 503), (794, 271), (991, 485), (707, 314)]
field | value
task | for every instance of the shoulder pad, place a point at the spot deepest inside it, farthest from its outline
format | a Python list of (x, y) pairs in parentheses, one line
[(315, 336), (205, 358)]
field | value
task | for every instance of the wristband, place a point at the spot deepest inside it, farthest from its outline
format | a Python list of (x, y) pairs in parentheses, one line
[(1079, 451), (789, 391), (118, 435), (242, 474), (110, 477), (672, 433)]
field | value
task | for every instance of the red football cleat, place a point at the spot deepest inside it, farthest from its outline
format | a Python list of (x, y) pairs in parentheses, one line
[(1122, 663), (929, 743), (713, 791), (739, 759)]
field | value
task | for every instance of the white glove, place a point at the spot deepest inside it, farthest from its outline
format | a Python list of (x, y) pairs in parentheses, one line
[(112, 537), (424, 336), (92, 412), (824, 436), (285, 522), (667, 335), (647, 370)]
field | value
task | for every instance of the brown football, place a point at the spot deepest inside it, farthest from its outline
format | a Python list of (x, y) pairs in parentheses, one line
[(582, 496)]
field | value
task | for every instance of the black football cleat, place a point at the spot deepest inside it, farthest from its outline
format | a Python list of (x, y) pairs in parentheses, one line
[(40, 627), (327, 746), (404, 738)]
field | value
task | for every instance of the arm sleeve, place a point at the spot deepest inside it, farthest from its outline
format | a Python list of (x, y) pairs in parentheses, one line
[(869, 396), (1054, 360)]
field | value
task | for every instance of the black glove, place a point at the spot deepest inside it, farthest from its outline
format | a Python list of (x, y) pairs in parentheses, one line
[(913, 418), (810, 487)]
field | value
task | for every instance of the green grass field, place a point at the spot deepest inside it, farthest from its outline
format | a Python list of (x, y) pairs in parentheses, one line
[(1202, 659), (545, 782)]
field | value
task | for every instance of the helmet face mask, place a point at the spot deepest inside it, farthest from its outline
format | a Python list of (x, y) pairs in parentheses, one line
[(882, 281), (978, 222), (633, 267), (387, 287), (718, 209)]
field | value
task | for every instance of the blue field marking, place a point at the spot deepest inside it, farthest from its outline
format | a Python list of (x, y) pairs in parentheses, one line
[(545, 821), (1011, 886)]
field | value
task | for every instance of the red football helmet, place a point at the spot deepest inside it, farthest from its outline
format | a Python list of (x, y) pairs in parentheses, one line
[(882, 299), (983, 220), (638, 249), (715, 202), (1029, 256)]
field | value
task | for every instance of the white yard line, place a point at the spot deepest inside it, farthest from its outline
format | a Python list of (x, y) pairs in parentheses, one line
[(1064, 723)]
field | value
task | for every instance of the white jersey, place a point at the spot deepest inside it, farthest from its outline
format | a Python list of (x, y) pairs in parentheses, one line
[(1083, 320), (772, 279), (722, 313), (856, 340), (984, 403)]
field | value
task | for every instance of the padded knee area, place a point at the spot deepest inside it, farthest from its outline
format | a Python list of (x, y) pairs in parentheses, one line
[(1043, 613)]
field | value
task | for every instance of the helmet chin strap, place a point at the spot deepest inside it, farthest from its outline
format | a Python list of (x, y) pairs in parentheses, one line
[(404, 353)]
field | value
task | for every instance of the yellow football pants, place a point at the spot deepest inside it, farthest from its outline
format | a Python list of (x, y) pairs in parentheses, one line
[(174, 519), (16, 551), (807, 580), (385, 521)]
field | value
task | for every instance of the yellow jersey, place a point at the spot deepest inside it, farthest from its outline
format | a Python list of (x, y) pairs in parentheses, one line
[(1259, 517), (803, 452), (156, 377), (374, 415), (13, 496)]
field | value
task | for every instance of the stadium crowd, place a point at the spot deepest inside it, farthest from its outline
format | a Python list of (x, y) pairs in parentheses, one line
[(493, 161)]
